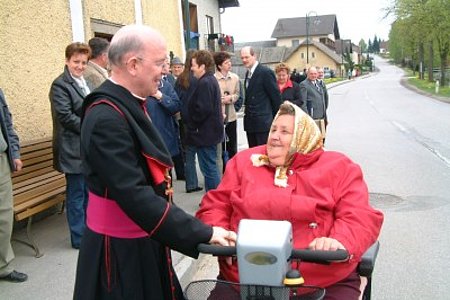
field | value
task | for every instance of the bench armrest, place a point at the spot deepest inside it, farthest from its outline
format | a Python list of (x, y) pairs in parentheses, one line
[(367, 263)]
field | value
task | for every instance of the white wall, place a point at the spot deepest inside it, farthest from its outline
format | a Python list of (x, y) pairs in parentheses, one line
[(207, 8)]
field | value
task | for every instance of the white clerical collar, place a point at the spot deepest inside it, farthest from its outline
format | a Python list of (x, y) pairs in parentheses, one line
[(134, 95)]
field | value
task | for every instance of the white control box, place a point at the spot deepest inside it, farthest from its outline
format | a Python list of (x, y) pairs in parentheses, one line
[(263, 249)]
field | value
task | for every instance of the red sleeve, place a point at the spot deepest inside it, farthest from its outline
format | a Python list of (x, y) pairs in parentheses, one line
[(356, 225), (215, 208)]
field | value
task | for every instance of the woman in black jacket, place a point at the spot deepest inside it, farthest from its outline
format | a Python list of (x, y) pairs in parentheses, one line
[(289, 89), (66, 98)]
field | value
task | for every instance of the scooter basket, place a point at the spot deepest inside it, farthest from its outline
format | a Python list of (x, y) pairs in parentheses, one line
[(223, 290)]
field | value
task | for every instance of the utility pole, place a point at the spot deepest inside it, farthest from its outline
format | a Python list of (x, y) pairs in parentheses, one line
[(307, 35)]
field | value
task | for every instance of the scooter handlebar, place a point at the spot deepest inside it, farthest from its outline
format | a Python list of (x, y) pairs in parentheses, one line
[(305, 255)]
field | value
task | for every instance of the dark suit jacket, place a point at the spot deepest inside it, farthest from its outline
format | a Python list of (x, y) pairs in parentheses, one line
[(313, 98), (262, 100), (325, 92), (11, 138)]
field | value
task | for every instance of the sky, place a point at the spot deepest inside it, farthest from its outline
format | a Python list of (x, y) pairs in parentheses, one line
[(255, 20)]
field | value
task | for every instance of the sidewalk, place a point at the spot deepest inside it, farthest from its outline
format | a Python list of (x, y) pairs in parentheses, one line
[(52, 276)]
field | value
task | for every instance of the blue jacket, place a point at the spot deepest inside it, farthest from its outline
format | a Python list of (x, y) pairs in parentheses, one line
[(204, 122), (11, 138), (162, 114)]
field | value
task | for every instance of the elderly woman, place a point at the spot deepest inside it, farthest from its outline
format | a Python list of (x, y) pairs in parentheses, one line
[(66, 98), (290, 90), (322, 193)]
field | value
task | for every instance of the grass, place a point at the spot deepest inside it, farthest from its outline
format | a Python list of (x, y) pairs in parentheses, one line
[(427, 86), (335, 79)]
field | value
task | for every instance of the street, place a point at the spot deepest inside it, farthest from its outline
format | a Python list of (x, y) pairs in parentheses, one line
[(400, 139)]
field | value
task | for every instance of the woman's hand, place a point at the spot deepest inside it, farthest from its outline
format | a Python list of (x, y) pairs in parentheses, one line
[(326, 244)]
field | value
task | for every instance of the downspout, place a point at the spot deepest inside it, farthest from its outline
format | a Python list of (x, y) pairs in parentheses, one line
[(138, 12), (187, 26), (76, 17)]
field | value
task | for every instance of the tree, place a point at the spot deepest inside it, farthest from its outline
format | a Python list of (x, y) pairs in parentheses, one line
[(362, 46), (370, 47), (376, 45), (428, 29), (440, 19)]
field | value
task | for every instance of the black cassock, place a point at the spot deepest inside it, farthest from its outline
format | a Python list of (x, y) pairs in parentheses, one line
[(121, 155)]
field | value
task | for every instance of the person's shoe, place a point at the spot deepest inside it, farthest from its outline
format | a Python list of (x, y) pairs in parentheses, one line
[(197, 189), (15, 276)]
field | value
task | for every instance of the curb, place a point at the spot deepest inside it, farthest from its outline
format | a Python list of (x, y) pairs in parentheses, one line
[(404, 83), (185, 267)]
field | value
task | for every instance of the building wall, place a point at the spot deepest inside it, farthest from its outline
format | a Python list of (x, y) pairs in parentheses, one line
[(167, 21), (33, 37), (30, 57), (320, 59), (207, 8)]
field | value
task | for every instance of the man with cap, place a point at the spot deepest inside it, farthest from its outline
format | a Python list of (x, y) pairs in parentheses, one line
[(176, 67)]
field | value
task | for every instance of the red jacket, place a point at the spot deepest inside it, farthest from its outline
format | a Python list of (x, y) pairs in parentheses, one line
[(324, 188)]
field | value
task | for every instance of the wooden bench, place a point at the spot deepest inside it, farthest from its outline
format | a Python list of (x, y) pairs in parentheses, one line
[(37, 186)]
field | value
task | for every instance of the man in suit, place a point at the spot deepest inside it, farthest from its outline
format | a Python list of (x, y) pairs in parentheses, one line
[(262, 98), (96, 72), (9, 162), (320, 75), (312, 94)]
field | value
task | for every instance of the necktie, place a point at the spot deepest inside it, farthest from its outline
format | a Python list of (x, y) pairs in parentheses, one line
[(248, 75), (317, 85)]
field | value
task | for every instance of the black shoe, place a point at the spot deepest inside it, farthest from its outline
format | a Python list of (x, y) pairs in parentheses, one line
[(197, 189), (15, 276)]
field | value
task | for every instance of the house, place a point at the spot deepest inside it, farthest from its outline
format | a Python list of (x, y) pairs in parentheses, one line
[(204, 26), (293, 31), (34, 35), (384, 47), (269, 54), (302, 42)]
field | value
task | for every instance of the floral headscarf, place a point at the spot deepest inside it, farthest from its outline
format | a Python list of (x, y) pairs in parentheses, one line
[(306, 138)]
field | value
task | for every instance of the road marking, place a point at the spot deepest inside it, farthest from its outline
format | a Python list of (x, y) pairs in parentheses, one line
[(416, 138)]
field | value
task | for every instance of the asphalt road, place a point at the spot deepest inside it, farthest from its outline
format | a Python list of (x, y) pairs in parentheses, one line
[(400, 139)]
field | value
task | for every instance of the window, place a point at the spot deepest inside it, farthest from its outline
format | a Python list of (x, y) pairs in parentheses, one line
[(302, 55), (313, 55), (295, 43), (210, 24)]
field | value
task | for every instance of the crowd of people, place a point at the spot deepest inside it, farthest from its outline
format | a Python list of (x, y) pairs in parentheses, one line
[(125, 114)]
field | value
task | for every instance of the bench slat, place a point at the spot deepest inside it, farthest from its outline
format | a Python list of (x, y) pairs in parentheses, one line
[(39, 191), (38, 208), (27, 175), (37, 178), (38, 199), (32, 183), (35, 145), (25, 157)]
